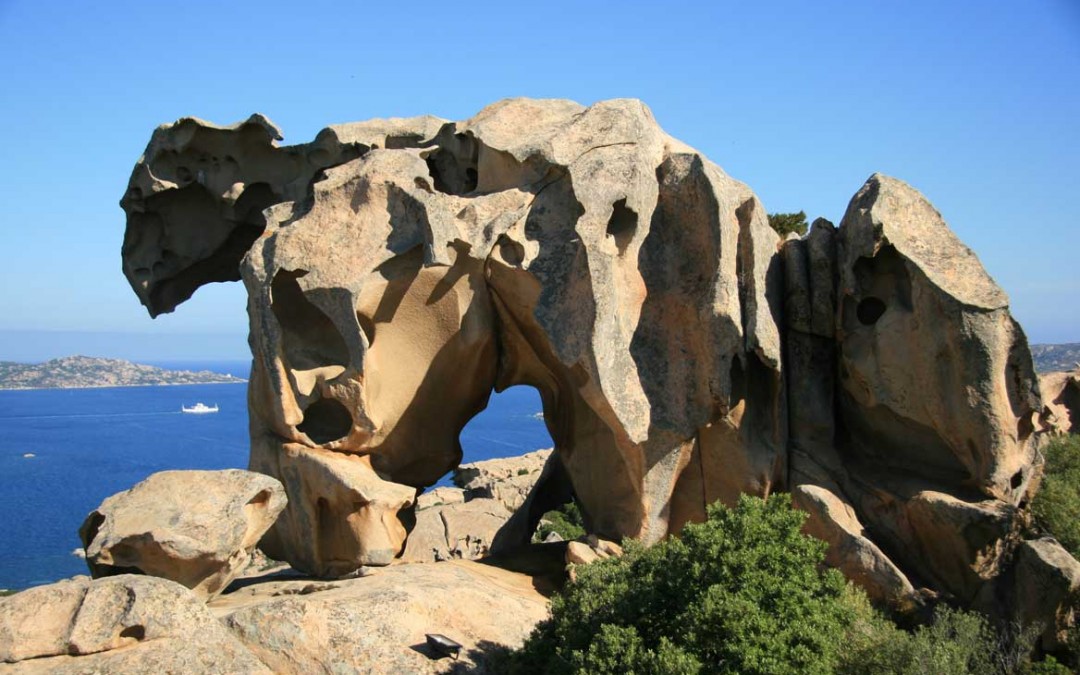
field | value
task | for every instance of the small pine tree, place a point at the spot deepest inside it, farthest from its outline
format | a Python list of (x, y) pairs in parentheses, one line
[(785, 223)]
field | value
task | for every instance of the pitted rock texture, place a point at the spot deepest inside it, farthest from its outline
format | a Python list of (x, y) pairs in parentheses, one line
[(197, 528), (579, 250), (917, 456), (684, 354)]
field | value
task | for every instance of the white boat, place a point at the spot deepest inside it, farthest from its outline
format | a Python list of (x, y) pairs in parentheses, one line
[(199, 409)]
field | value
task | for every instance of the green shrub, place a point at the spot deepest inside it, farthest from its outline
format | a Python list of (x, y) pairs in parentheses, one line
[(566, 521), (741, 593), (1057, 504), (954, 643), (785, 223)]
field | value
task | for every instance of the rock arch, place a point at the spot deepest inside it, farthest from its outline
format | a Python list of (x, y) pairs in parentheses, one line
[(684, 353)]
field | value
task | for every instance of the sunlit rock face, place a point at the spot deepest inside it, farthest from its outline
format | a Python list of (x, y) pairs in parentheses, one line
[(426, 263), (926, 436), (400, 270)]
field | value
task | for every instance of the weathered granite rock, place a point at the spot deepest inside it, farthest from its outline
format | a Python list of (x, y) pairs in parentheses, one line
[(474, 520), (579, 250), (1047, 590), (508, 479), (589, 549), (346, 515), (197, 528), (1061, 396), (850, 549), (122, 624), (377, 624), (439, 497), (930, 443), (402, 269), (463, 531)]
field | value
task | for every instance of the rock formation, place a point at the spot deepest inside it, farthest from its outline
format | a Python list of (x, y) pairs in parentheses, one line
[(467, 522), (123, 624), (157, 528), (1061, 395), (377, 624), (400, 270), (917, 453)]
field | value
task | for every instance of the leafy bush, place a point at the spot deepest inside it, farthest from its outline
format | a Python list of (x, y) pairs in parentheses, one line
[(1057, 504), (745, 592), (785, 223), (955, 643), (566, 522), (741, 593)]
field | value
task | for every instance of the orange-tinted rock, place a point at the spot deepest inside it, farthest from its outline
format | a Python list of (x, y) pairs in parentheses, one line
[(197, 528), (682, 353)]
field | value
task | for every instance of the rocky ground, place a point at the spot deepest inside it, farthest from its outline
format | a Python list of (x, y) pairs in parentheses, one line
[(78, 372), (272, 618)]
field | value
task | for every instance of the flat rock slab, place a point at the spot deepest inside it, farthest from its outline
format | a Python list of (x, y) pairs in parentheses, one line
[(377, 624), (197, 528)]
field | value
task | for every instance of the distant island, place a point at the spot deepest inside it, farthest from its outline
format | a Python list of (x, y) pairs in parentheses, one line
[(1055, 358), (80, 372)]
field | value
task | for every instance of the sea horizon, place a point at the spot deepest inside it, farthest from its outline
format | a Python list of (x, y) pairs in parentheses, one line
[(86, 444)]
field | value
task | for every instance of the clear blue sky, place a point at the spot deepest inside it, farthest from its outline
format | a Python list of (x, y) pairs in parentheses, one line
[(977, 104)]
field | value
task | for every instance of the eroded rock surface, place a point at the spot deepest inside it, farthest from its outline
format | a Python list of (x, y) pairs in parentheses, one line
[(507, 479), (399, 270), (917, 457), (470, 521), (1061, 395), (197, 528), (402, 269), (377, 624), (122, 624)]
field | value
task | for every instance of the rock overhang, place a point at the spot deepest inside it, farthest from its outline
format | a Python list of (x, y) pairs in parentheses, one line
[(399, 270)]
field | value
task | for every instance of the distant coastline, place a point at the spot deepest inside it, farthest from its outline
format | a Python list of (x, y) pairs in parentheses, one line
[(120, 386), (1059, 357), (84, 372)]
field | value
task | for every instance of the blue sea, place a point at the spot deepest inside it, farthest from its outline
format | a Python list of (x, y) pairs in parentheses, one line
[(87, 444)]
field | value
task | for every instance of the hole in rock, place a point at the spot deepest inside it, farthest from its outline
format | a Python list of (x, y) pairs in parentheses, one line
[(325, 421), (404, 141), (622, 225), (869, 310), (738, 382), (1017, 480), (511, 251), (511, 425), (249, 207), (453, 166), (310, 338), (135, 632), (124, 554), (91, 527)]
